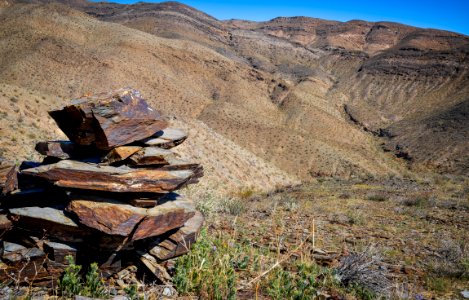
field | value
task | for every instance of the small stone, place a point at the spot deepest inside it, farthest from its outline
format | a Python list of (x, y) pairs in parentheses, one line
[(167, 292)]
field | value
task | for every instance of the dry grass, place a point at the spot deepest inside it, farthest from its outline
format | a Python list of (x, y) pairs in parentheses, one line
[(408, 254)]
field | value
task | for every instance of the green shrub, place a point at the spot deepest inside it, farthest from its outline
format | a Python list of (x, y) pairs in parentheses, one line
[(132, 292), (94, 286), (299, 284), (208, 270), (72, 284)]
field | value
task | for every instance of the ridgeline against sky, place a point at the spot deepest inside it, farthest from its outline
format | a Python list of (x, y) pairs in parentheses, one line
[(452, 15)]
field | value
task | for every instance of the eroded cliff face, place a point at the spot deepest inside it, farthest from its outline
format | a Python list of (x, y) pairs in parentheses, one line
[(308, 96)]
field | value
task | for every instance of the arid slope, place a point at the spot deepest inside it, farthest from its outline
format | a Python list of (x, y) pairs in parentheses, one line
[(64, 52), (307, 96)]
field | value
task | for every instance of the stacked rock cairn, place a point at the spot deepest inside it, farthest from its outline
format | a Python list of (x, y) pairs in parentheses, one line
[(106, 196)]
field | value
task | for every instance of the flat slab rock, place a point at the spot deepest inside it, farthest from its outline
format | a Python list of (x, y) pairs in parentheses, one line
[(166, 138), (15, 253), (158, 270), (79, 175), (152, 156), (179, 242), (51, 221), (109, 119), (115, 218)]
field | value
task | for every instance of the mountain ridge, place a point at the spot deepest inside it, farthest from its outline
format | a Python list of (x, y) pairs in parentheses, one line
[(278, 89)]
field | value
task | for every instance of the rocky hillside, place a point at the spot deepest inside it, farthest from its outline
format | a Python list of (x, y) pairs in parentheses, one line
[(307, 97)]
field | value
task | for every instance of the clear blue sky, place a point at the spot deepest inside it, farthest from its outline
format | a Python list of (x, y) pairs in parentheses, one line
[(450, 15)]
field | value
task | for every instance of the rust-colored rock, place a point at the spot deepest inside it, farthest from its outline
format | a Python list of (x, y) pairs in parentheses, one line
[(115, 218), (110, 218), (79, 175), (158, 270), (109, 119), (179, 242), (144, 202), (152, 156), (105, 196), (120, 153), (161, 218), (179, 164), (29, 260)]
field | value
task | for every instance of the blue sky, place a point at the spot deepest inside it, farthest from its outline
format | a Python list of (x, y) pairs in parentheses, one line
[(448, 15)]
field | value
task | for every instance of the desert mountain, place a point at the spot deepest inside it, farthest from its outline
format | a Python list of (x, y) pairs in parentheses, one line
[(299, 97)]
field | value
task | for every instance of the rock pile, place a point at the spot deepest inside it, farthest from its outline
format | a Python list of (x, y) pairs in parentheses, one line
[(105, 196)]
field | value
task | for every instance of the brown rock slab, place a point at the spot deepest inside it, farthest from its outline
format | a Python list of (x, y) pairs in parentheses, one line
[(15, 252), (158, 270), (178, 164), (179, 242), (110, 218), (47, 221), (8, 176), (109, 119), (152, 156), (120, 153), (164, 217), (116, 218), (166, 138), (79, 175)]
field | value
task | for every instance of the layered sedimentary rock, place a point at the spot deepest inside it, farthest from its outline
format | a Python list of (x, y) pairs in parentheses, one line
[(106, 192), (109, 119)]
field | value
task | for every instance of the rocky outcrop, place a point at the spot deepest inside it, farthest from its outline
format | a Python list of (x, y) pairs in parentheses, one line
[(106, 196)]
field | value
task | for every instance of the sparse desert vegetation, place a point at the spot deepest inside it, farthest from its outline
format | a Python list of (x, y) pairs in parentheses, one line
[(407, 240)]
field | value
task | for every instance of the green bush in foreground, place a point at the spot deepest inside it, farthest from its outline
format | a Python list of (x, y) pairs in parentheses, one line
[(207, 270), (72, 284)]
